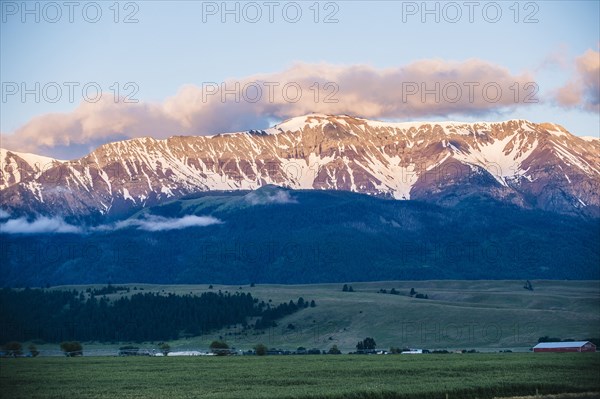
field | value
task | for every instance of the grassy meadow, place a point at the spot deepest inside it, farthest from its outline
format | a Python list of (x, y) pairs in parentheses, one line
[(460, 376), (482, 315)]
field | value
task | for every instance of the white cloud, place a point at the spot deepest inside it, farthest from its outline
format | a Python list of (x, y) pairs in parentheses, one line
[(42, 224), (583, 90), (264, 198), (38, 226), (4, 214), (159, 223), (355, 90)]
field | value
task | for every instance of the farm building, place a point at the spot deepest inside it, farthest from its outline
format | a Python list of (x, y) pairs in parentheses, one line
[(577, 346)]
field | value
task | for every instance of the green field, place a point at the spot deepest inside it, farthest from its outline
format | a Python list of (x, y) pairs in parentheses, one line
[(484, 315), (345, 376)]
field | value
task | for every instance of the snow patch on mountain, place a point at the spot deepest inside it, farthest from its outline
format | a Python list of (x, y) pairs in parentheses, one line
[(589, 138), (31, 159), (502, 157), (18, 166)]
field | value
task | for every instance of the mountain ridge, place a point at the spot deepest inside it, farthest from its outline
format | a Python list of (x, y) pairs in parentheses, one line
[(537, 166), (17, 166)]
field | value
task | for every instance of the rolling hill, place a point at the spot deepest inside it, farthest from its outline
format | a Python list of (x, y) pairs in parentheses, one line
[(485, 315)]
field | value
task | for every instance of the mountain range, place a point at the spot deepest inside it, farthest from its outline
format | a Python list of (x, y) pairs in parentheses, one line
[(530, 165), (315, 199)]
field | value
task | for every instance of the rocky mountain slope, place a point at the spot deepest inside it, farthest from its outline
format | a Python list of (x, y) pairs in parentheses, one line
[(538, 166), (18, 166)]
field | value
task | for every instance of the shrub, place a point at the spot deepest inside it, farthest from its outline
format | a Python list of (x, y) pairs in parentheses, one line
[(72, 348), (13, 349), (164, 348), (261, 350), (219, 348)]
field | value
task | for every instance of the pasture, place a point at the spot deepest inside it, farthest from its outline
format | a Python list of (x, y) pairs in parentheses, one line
[(460, 376), (484, 315)]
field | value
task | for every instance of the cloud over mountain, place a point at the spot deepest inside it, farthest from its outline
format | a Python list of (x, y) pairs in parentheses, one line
[(583, 90), (159, 223), (424, 88), (38, 226)]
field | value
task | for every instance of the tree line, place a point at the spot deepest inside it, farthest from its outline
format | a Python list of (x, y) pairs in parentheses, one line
[(59, 316)]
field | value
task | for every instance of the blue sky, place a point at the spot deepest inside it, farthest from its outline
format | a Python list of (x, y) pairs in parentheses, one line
[(171, 47)]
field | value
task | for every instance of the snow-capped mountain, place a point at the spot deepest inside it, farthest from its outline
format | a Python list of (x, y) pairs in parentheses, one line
[(531, 165), (18, 166)]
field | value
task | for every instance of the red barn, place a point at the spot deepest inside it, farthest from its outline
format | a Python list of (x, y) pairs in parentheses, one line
[(578, 346)]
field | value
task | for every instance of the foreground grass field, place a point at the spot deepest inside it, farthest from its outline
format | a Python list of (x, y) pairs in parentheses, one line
[(346, 376)]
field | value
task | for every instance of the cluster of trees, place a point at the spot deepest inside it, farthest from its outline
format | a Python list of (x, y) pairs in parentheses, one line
[(219, 348), (418, 294), (271, 314), (72, 348), (367, 344), (15, 349), (57, 316), (412, 293), (109, 289)]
